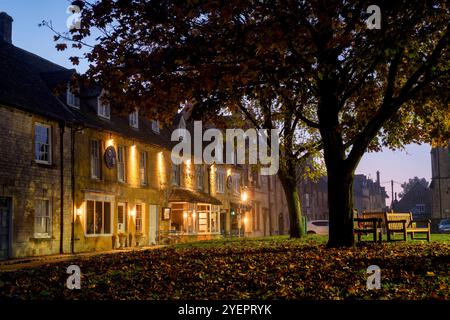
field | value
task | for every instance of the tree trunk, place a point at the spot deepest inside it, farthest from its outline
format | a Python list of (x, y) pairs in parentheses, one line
[(340, 203), (289, 182)]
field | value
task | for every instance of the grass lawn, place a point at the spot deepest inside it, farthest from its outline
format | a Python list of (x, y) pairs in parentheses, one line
[(259, 268)]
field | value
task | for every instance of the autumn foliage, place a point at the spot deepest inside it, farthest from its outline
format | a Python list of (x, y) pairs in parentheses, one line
[(252, 269), (310, 68)]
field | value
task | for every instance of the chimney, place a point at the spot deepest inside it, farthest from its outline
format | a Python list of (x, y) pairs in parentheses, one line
[(5, 27), (378, 178)]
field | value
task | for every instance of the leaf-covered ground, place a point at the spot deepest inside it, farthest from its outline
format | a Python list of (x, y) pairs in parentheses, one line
[(251, 269)]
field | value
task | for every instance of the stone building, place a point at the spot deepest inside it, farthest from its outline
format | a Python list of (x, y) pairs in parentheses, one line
[(251, 204), (440, 182), (35, 167), (417, 201), (77, 176), (314, 198), (368, 195)]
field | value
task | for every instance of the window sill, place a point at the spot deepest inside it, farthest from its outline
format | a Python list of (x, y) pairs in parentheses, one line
[(73, 105), (48, 165), (98, 235), (37, 238)]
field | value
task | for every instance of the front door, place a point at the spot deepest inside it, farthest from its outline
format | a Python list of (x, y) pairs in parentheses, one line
[(122, 224), (5, 232), (153, 227)]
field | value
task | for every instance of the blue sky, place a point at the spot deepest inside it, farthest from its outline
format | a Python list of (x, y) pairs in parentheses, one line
[(27, 14), (396, 165)]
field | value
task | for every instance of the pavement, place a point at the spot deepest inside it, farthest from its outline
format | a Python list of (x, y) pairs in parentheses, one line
[(32, 262)]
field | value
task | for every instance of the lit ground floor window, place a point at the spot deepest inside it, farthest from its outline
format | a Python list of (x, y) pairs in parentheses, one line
[(195, 218)]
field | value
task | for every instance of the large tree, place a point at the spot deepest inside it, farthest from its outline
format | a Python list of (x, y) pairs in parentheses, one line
[(406, 186), (315, 64)]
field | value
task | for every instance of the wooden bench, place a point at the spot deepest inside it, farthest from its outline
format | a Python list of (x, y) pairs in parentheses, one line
[(369, 224), (402, 223)]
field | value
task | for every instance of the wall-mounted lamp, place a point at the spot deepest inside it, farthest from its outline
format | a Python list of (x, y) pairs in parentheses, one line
[(245, 220), (244, 196), (109, 142), (79, 212), (185, 215)]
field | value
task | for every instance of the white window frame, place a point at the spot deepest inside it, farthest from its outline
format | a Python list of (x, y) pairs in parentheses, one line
[(143, 168), (95, 157), (96, 197), (141, 231), (49, 133), (111, 218), (134, 119), (420, 207), (199, 174), (176, 174), (220, 180), (236, 183), (155, 126), (121, 163), (38, 203), (103, 109), (72, 100)]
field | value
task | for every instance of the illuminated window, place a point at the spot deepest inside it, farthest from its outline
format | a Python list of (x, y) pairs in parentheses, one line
[(143, 168), (43, 221), (95, 159), (139, 218), (121, 163), (98, 217), (220, 181)]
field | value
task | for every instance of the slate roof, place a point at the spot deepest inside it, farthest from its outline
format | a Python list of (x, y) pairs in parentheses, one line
[(26, 80), (187, 195), (88, 117)]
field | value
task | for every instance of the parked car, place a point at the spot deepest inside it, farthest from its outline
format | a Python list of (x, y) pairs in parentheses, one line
[(317, 227), (444, 226)]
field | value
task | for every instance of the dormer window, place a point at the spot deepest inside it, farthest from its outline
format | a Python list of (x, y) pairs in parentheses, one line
[(72, 99), (103, 107), (134, 119), (155, 126)]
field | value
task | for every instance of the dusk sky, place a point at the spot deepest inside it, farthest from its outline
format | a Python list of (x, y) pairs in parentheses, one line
[(398, 165)]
